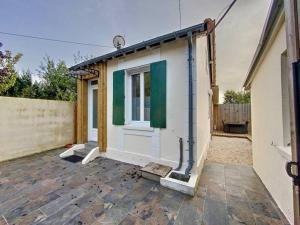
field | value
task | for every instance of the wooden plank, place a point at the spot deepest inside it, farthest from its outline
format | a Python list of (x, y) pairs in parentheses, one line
[(235, 113), (102, 107), (81, 111), (292, 39)]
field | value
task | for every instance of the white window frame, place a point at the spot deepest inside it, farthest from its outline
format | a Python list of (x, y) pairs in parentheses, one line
[(128, 96)]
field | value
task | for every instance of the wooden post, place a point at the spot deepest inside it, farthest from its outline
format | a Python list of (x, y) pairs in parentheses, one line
[(292, 36), (82, 111), (102, 107)]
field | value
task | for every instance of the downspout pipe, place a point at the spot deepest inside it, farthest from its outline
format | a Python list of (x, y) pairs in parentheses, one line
[(190, 110)]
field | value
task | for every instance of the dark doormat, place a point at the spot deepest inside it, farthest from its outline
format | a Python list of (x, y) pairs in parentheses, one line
[(73, 158)]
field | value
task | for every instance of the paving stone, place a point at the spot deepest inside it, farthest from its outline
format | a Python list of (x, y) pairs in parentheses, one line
[(88, 215), (43, 189), (238, 216), (132, 220), (263, 220), (63, 216), (215, 212), (59, 203), (26, 208), (33, 218), (191, 211)]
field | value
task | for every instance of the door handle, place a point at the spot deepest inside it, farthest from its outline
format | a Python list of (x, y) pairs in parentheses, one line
[(289, 169)]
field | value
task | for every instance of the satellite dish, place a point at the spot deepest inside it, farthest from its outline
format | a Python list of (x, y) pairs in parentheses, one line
[(1, 44), (119, 41)]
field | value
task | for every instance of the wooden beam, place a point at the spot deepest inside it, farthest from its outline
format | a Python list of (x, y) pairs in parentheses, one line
[(81, 111), (102, 106), (292, 39)]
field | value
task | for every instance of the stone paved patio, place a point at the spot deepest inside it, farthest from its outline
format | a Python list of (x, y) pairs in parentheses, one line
[(43, 189)]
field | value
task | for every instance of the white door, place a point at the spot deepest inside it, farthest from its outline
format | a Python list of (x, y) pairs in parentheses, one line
[(93, 110)]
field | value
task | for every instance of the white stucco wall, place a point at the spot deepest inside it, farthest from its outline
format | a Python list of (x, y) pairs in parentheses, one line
[(267, 125), (204, 97), (29, 126), (140, 146)]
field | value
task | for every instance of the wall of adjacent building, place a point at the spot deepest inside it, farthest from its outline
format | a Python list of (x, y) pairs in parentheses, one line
[(29, 126), (203, 100), (142, 145), (270, 154)]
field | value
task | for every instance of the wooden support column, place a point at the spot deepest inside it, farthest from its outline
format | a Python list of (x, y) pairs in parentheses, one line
[(292, 34), (82, 111), (102, 107)]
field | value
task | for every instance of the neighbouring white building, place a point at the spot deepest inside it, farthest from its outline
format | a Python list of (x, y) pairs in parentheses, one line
[(139, 101), (268, 81)]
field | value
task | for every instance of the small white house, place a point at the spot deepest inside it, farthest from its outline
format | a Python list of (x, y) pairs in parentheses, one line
[(138, 102), (270, 110)]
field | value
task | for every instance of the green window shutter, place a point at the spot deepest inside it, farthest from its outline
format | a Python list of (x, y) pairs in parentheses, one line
[(119, 97), (158, 99)]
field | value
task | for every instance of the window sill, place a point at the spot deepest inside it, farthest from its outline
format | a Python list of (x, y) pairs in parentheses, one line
[(140, 127)]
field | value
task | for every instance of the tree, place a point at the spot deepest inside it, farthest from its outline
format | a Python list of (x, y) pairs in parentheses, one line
[(55, 83), (24, 87), (232, 97), (78, 58), (8, 73)]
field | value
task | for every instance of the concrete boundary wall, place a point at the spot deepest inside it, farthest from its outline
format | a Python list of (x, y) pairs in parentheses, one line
[(29, 126)]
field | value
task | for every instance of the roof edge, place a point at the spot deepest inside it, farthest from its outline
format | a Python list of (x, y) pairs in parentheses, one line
[(275, 11), (199, 28)]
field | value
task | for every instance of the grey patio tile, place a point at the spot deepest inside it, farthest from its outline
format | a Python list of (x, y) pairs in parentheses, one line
[(265, 209), (89, 215), (237, 191), (132, 220), (191, 211), (27, 207), (116, 214), (216, 191), (215, 212), (264, 220), (110, 192), (61, 202), (12, 203), (30, 219), (63, 216), (239, 211), (238, 215)]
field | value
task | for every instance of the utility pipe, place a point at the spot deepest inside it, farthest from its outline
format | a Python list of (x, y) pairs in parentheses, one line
[(180, 154), (190, 140)]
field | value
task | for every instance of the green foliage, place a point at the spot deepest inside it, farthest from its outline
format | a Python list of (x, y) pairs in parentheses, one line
[(24, 87), (232, 97), (8, 74), (55, 83)]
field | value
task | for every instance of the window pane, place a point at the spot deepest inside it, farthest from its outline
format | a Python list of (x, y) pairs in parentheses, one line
[(147, 96), (95, 108), (136, 97)]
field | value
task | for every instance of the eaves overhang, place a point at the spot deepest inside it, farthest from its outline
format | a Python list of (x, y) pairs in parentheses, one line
[(196, 29), (276, 9)]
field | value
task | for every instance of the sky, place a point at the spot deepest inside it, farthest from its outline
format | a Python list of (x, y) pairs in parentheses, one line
[(98, 21)]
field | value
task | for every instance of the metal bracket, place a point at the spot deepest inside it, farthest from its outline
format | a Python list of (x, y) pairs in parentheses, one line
[(289, 169), (82, 72)]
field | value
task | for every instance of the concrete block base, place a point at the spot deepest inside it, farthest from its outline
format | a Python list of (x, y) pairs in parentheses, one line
[(188, 188)]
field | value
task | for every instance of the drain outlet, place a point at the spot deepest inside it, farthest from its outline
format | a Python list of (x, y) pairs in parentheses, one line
[(179, 176)]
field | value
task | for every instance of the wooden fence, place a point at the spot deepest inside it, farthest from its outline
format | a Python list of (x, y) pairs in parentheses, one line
[(231, 113)]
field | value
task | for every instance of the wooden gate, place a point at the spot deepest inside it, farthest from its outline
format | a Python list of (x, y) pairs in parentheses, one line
[(238, 113)]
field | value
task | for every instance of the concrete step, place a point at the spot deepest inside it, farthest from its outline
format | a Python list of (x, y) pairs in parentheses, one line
[(154, 171), (87, 148)]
